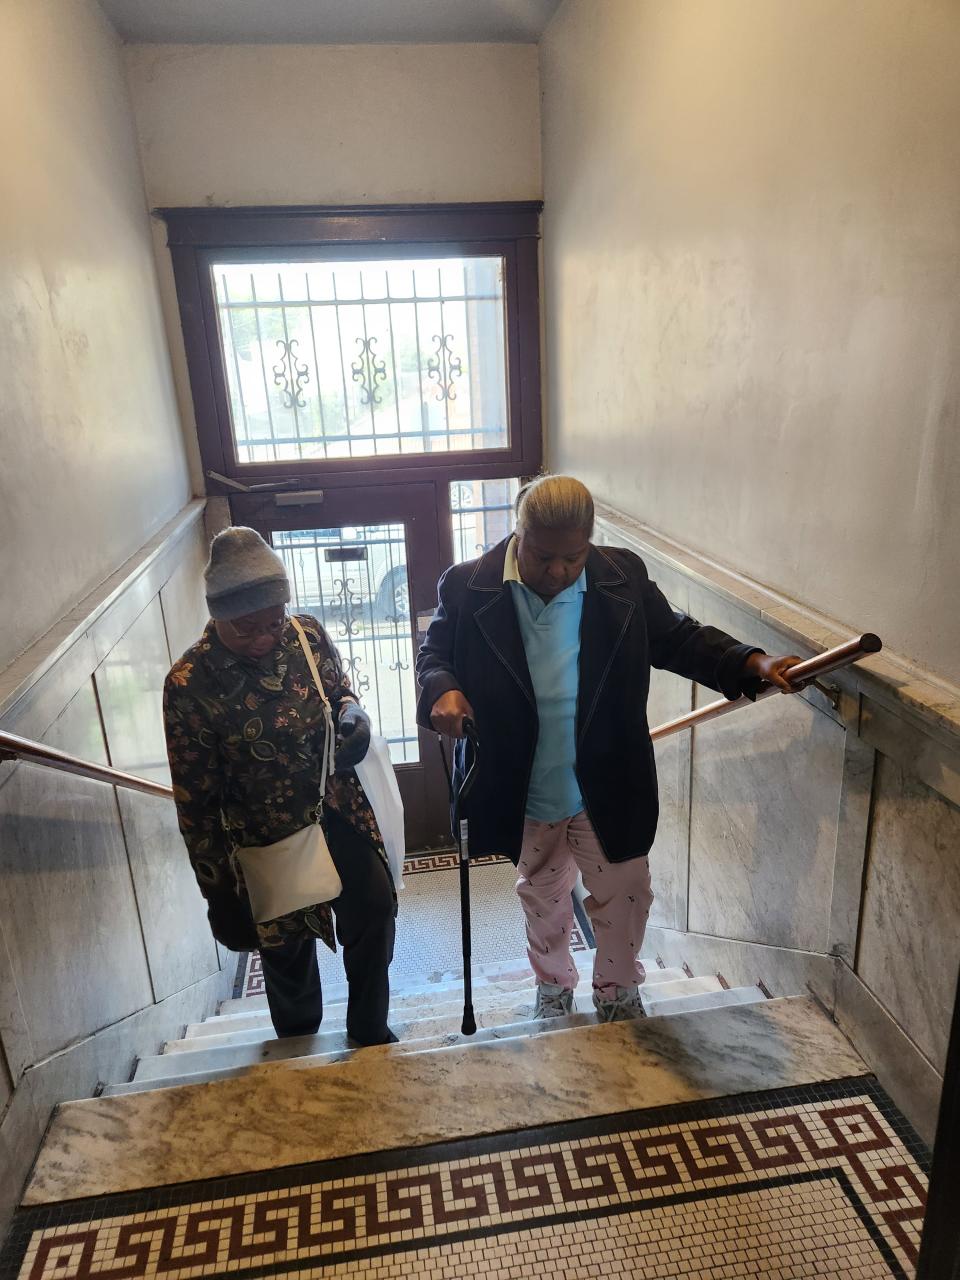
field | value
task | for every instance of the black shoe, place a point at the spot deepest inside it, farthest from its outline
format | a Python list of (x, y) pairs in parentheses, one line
[(354, 1043)]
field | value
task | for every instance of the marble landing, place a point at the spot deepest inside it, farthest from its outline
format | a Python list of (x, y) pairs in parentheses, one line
[(272, 1117)]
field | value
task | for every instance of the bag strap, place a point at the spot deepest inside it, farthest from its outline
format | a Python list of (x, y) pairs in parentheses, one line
[(329, 740)]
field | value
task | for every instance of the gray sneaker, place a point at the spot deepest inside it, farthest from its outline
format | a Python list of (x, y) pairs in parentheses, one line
[(625, 1004), (553, 1001)]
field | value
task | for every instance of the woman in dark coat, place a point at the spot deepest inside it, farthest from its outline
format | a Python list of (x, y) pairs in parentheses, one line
[(546, 643)]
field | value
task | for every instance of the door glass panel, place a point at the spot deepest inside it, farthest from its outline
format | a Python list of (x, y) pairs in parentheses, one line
[(362, 359), (354, 580), (482, 515)]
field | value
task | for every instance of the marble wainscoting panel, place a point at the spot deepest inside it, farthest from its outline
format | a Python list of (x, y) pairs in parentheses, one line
[(66, 899), (179, 946), (182, 597), (908, 1077), (909, 937), (75, 1073), (110, 1056), (130, 687), (15, 1042), (934, 758), (6, 1081), (765, 796), (21, 1132), (745, 964), (273, 1116), (853, 831), (670, 696)]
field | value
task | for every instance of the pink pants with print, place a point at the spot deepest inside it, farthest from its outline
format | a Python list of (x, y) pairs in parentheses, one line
[(618, 904)]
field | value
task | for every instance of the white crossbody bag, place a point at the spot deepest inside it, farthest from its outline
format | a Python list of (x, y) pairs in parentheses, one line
[(298, 870)]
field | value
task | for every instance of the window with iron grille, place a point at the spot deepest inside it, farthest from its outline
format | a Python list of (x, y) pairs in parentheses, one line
[(481, 512), (346, 342), (362, 359)]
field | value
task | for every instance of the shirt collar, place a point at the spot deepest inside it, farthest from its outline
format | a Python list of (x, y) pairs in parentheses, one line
[(511, 566), (511, 573)]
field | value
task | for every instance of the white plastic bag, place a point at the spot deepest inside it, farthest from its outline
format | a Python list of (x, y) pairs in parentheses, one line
[(379, 783)]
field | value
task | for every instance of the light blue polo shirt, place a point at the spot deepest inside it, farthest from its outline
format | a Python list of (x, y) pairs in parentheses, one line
[(551, 640)]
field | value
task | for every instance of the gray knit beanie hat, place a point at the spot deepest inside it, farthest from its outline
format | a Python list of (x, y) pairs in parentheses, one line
[(243, 575)]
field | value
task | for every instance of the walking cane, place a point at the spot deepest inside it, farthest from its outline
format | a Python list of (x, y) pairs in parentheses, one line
[(461, 835)]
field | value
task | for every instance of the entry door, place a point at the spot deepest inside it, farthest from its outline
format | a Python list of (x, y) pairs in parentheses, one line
[(366, 562)]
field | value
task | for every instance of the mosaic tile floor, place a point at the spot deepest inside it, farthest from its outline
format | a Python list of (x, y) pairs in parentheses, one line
[(817, 1181), (428, 926)]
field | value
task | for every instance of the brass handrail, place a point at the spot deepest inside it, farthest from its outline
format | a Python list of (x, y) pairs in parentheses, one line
[(13, 747), (800, 676)]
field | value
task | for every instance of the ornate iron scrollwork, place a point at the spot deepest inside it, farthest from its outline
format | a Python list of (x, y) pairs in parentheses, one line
[(350, 602), (445, 367), (368, 370), (399, 665), (359, 680), (291, 374)]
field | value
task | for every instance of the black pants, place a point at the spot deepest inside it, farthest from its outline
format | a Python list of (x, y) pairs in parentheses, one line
[(365, 931)]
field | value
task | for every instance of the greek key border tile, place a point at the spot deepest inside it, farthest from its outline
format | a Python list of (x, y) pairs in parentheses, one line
[(315, 1216)]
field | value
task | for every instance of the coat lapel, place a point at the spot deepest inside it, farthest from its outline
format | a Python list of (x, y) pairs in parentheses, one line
[(606, 617), (497, 618)]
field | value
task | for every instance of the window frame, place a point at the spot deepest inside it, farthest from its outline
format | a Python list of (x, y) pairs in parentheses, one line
[(197, 238)]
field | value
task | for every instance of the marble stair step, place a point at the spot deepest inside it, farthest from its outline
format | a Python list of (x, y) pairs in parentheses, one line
[(505, 973), (256, 1024), (516, 1002), (424, 1044), (408, 998), (517, 969), (707, 1000), (678, 987), (401, 1009), (208, 1053)]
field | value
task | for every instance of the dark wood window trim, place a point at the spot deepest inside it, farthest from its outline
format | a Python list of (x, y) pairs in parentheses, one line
[(196, 237)]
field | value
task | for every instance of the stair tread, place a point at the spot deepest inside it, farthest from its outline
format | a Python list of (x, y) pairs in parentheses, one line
[(501, 972), (201, 1056), (270, 1048), (495, 971), (486, 998), (249, 1025), (307, 1061), (399, 1000), (707, 1001), (680, 987)]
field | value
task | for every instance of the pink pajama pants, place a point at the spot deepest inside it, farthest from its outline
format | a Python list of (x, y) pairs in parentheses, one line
[(618, 904)]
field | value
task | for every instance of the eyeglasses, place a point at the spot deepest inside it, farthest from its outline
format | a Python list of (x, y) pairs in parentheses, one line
[(273, 629)]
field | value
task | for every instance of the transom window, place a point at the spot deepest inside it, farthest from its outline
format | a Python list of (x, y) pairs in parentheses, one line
[(335, 346), (358, 359)]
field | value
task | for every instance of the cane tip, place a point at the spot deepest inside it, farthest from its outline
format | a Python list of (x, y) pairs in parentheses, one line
[(870, 643)]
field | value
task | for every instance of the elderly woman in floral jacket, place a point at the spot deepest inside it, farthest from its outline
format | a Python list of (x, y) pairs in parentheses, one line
[(245, 737)]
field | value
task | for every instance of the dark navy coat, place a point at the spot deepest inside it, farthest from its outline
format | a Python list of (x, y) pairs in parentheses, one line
[(474, 644)]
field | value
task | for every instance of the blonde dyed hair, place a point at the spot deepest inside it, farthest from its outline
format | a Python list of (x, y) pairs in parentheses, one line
[(555, 502)]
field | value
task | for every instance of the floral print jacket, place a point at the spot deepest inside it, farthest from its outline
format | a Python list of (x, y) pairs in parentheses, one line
[(244, 741)]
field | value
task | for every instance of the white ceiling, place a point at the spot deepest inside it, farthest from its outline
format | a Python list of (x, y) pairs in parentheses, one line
[(329, 21)]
